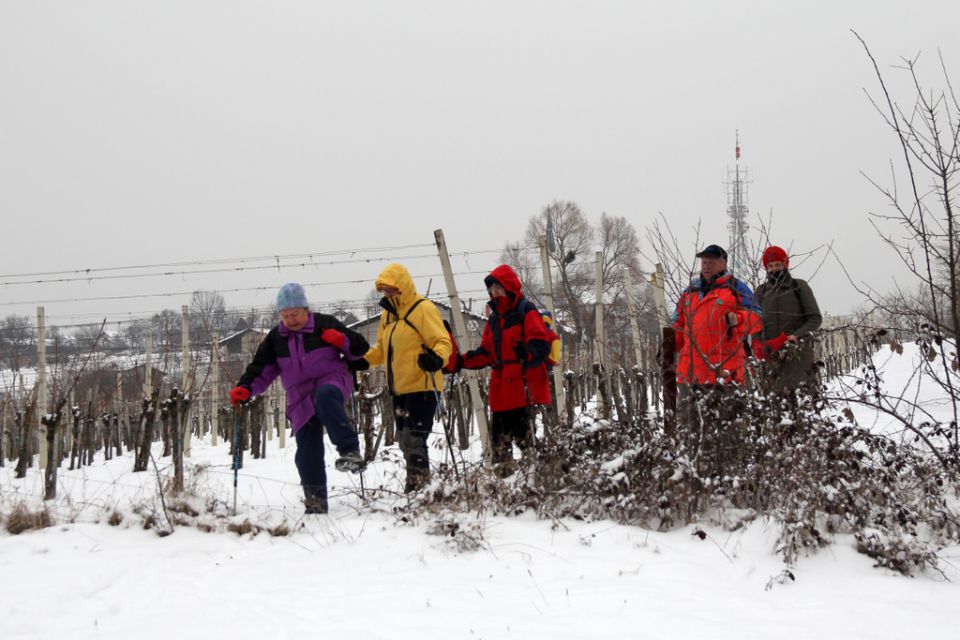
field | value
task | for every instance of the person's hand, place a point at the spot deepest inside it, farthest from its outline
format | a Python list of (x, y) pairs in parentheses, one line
[(732, 319), (775, 344), (429, 361), (521, 350), (239, 395), (333, 337)]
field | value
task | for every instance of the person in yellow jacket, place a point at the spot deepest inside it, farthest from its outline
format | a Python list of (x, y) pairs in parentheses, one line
[(412, 345)]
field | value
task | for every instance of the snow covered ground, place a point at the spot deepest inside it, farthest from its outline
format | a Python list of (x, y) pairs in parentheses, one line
[(366, 572)]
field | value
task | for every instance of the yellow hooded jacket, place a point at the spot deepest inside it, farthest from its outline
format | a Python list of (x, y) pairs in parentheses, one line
[(398, 344)]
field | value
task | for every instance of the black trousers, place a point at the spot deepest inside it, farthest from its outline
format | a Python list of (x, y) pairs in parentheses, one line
[(413, 414), (507, 428)]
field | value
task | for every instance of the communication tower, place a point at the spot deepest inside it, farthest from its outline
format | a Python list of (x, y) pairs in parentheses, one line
[(737, 212)]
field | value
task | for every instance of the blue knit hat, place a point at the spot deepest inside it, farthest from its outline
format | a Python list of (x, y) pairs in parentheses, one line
[(291, 295)]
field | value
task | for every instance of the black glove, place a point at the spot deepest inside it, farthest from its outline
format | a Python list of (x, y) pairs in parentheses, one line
[(360, 364), (429, 361), (521, 350)]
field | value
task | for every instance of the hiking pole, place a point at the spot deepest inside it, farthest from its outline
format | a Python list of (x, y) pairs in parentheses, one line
[(236, 454), (362, 494), (442, 413), (355, 407)]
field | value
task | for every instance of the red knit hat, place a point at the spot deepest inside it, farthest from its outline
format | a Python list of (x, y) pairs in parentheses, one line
[(774, 253)]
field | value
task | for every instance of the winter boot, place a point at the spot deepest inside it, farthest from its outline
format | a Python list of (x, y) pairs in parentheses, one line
[(315, 505), (417, 479), (418, 472), (352, 462)]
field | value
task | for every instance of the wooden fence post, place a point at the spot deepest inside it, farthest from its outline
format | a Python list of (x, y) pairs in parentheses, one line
[(42, 385), (456, 312), (604, 403), (185, 384), (215, 390), (551, 307)]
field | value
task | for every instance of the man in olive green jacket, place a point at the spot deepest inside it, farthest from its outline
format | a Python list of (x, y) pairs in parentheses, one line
[(790, 316)]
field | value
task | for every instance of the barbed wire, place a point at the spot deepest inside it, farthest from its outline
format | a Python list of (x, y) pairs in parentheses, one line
[(240, 260), (118, 319)]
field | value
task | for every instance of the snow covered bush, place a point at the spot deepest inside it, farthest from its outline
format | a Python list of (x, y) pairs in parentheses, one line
[(815, 473)]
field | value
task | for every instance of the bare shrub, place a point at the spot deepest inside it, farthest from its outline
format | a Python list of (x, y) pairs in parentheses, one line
[(21, 519), (459, 536), (813, 473), (243, 528)]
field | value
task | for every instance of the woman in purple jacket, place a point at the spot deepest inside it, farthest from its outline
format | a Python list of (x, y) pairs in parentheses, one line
[(310, 352)]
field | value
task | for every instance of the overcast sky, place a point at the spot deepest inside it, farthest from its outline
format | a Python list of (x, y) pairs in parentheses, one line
[(142, 133)]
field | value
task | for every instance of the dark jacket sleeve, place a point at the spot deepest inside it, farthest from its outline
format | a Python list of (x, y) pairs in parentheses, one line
[(811, 310), (263, 369), (482, 356), (358, 344), (535, 335)]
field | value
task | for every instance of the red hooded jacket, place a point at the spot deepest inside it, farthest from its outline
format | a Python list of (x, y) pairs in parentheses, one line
[(517, 380), (708, 348)]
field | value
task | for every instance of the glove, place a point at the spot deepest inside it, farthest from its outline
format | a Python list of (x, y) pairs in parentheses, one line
[(774, 344), (239, 395), (521, 350), (334, 338), (429, 361), (457, 362)]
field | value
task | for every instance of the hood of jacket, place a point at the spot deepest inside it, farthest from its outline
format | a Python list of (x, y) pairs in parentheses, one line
[(507, 278), (396, 275)]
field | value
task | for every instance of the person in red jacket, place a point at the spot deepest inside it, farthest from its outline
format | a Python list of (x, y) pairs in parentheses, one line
[(714, 321), (515, 345), (714, 318)]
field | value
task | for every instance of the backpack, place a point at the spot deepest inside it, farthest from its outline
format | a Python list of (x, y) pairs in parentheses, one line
[(450, 366), (553, 355), (518, 314)]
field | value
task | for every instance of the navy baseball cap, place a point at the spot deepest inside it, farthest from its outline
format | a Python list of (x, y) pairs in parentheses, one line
[(714, 251)]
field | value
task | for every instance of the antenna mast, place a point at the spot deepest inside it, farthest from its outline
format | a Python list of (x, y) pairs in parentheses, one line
[(737, 212)]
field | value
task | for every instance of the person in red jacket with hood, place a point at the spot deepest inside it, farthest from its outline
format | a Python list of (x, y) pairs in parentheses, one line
[(716, 316), (515, 345)]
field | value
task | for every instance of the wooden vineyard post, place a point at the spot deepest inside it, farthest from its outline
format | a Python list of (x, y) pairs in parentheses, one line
[(460, 327)]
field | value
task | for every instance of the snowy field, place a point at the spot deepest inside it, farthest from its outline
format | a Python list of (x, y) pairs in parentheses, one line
[(363, 571)]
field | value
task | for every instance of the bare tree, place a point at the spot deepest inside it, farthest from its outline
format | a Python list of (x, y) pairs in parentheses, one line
[(166, 327), (619, 249), (926, 238), (570, 243), (18, 339), (679, 264), (208, 315), (135, 333), (342, 312), (526, 263)]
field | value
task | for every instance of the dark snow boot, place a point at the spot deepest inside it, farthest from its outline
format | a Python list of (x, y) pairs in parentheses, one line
[(315, 505), (418, 473), (352, 462), (416, 479)]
